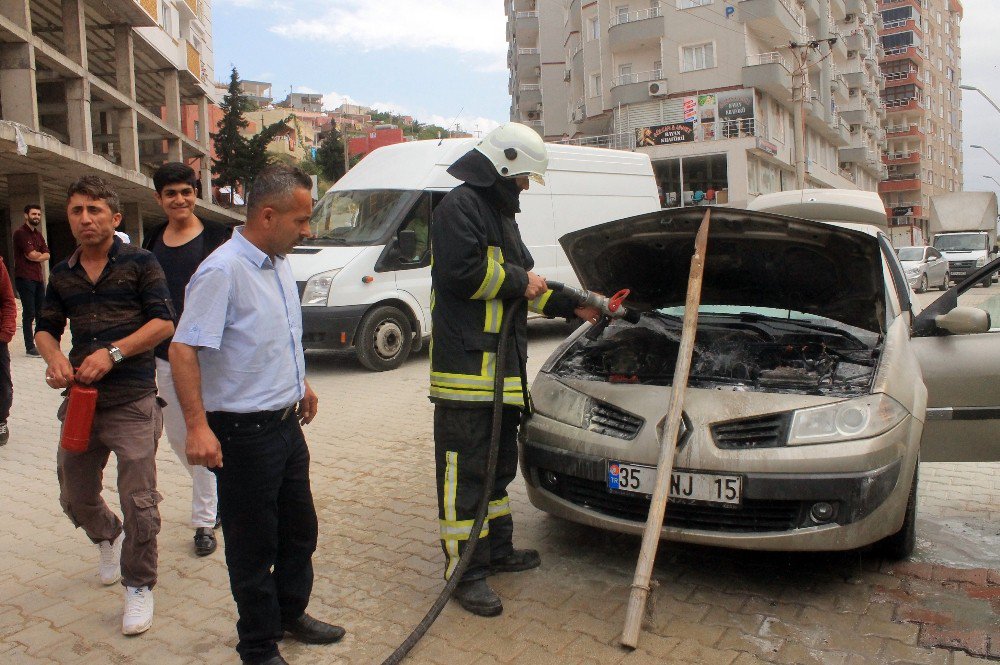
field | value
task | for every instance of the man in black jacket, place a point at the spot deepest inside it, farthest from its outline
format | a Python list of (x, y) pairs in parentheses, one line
[(481, 266), (180, 245)]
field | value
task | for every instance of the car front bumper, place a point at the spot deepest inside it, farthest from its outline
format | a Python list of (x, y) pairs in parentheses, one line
[(330, 327)]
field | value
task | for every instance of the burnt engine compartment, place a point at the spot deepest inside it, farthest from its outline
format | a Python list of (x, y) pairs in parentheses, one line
[(731, 353)]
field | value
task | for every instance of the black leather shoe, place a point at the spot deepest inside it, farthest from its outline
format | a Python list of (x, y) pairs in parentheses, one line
[(313, 631), (204, 541), (478, 598), (273, 660), (516, 561)]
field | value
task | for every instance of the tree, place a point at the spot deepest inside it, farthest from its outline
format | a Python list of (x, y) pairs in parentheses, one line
[(229, 143), (330, 156), (255, 155)]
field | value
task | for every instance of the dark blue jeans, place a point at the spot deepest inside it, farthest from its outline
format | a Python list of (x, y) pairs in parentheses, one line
[(32, 296), (268, 521)]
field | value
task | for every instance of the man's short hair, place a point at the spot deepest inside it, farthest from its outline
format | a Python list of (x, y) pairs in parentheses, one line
[(32, 206), (173, 173), (95, 188), (274, 186)]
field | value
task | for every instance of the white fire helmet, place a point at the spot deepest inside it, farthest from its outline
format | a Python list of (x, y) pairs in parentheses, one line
[(516, 150)]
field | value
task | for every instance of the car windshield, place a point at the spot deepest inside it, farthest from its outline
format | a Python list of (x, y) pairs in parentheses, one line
[(911, 253), (358, 217), (959, 242), (737, 310)]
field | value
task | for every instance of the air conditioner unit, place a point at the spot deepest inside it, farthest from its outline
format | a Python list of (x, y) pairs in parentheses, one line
[(849, 18), (852, 54), (657, 88)]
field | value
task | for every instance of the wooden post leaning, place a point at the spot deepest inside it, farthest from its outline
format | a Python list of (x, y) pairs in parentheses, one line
[(668, 444)]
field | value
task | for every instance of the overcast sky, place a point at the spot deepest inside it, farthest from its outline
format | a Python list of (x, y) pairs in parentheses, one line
[(444, 61)]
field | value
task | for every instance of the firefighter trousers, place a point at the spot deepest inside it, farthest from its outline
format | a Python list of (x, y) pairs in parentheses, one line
[(461, 450)]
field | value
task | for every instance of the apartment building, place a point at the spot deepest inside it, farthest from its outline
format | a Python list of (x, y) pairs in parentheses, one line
[(107, 87), (922, 67), (709, 88)]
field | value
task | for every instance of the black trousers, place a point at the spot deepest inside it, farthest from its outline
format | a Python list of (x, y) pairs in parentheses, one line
[(32, 296), (461, 448), (269, 522), (6, 385)]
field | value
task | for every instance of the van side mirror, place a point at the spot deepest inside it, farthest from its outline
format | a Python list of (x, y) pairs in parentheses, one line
[(964, 321), (406, 240)]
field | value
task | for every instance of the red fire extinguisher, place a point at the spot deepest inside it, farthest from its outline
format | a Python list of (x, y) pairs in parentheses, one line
[(79, 418)]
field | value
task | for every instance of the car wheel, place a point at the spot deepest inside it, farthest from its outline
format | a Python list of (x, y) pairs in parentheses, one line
[(947, 280), (384, 339), (900, 545), (922, 285)]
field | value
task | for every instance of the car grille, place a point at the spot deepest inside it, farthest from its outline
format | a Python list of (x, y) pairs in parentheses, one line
[(769, 431), (612, 421), (962, 265), (752, 516)]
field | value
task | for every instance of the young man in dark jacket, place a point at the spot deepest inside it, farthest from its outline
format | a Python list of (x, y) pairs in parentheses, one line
[(180, 245), (481, 267)]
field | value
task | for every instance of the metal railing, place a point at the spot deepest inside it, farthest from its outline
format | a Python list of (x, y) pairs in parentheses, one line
[(631, 17), (529, 51), (896, 103), (902, 129), (638, 77), (532, 14), (528, 87), (896, 76), (769, 58)]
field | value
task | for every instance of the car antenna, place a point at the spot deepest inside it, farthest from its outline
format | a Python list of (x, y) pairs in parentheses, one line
[(453, 124)]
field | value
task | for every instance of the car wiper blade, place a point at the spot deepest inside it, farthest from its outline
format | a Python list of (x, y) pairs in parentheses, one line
[(799, 323)]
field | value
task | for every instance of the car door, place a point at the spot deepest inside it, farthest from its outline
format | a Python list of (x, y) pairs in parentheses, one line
[(936, 267), (962, 375)]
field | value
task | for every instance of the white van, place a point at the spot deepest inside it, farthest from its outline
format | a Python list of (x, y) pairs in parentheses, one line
[(365, 277)]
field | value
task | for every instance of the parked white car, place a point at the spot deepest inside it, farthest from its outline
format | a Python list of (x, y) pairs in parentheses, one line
[(816, 386), (924, 267)]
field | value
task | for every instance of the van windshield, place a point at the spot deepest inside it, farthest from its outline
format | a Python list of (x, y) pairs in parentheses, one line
[(960, 242), (358, 217)]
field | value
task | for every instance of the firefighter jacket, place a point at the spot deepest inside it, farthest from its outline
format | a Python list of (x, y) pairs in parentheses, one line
[(479, 268)]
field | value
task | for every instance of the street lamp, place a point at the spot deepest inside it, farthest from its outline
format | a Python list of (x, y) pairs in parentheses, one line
[(988, 98), (986, 150), (997, 183)]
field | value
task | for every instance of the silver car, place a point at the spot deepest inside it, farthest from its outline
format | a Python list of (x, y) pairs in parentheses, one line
[(924, 267), (816, 386)]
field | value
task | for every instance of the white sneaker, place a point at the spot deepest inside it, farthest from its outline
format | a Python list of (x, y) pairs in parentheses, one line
[(138, 615), (110, 567)]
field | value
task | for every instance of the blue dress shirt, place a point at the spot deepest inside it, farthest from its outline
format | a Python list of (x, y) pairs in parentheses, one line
[(242, 312)]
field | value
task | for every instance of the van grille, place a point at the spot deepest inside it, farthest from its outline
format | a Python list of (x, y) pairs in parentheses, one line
[(612, 421), (752, 516), (770, 431)]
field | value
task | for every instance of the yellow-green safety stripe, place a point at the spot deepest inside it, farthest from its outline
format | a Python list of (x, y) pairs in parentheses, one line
[(537, 305), (494, 277)]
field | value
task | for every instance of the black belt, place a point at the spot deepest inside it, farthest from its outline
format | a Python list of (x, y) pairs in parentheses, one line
[(255, 417)]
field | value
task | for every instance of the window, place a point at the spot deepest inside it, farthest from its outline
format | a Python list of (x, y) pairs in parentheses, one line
[(593, 29), (595, 85), (621, 12), (688, 4), (700, 56), (197, 130)]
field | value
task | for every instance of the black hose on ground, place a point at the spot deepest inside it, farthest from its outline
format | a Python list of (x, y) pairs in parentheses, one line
[(421, 629)]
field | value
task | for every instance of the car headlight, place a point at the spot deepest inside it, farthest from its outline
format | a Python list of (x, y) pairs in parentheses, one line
[(317, 290), (860, 418), (981, 261), (565, 405)]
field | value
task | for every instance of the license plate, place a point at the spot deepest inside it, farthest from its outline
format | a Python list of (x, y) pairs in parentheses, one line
[(684, 485)]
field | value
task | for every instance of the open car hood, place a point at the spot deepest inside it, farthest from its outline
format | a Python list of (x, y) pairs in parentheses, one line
[(754, 259)]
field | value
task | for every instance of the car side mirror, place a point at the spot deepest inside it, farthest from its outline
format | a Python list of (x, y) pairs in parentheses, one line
[(407, 242), (964, 321)]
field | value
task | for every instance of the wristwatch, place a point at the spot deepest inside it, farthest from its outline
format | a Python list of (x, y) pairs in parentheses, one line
[(116, 354)]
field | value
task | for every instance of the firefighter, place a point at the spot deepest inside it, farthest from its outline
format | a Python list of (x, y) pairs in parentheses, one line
[(480, 267)]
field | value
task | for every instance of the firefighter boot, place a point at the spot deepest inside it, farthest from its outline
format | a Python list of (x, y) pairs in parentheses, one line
[(477, 597), (516, 561)]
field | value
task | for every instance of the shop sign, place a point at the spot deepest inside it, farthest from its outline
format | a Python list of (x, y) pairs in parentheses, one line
[(902, 211), (678, 132), (766, 146)]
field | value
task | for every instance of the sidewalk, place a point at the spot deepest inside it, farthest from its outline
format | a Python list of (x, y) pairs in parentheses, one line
[(378, 567)]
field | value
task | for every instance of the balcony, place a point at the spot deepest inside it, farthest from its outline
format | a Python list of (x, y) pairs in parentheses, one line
[(137, 13), (910, 77), (858, 41), (769, 72), (634, 88), (529, 95), (573, 18), (780, 20), (187, 9), (903, 131), (900, 182), (904, 25), (194, 62), (898, 158), (526, 26), (911, 53), (635, 29), (898, 105), (842, 130), (858, 111), (529, 62)]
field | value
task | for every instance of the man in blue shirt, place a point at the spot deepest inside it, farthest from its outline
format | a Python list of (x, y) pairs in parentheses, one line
[(239, 372)]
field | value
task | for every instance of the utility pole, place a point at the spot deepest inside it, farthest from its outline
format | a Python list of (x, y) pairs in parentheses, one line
[(800, 83)]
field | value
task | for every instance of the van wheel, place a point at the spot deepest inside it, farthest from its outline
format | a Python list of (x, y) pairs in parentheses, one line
[(899, 546), (384, 339)]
